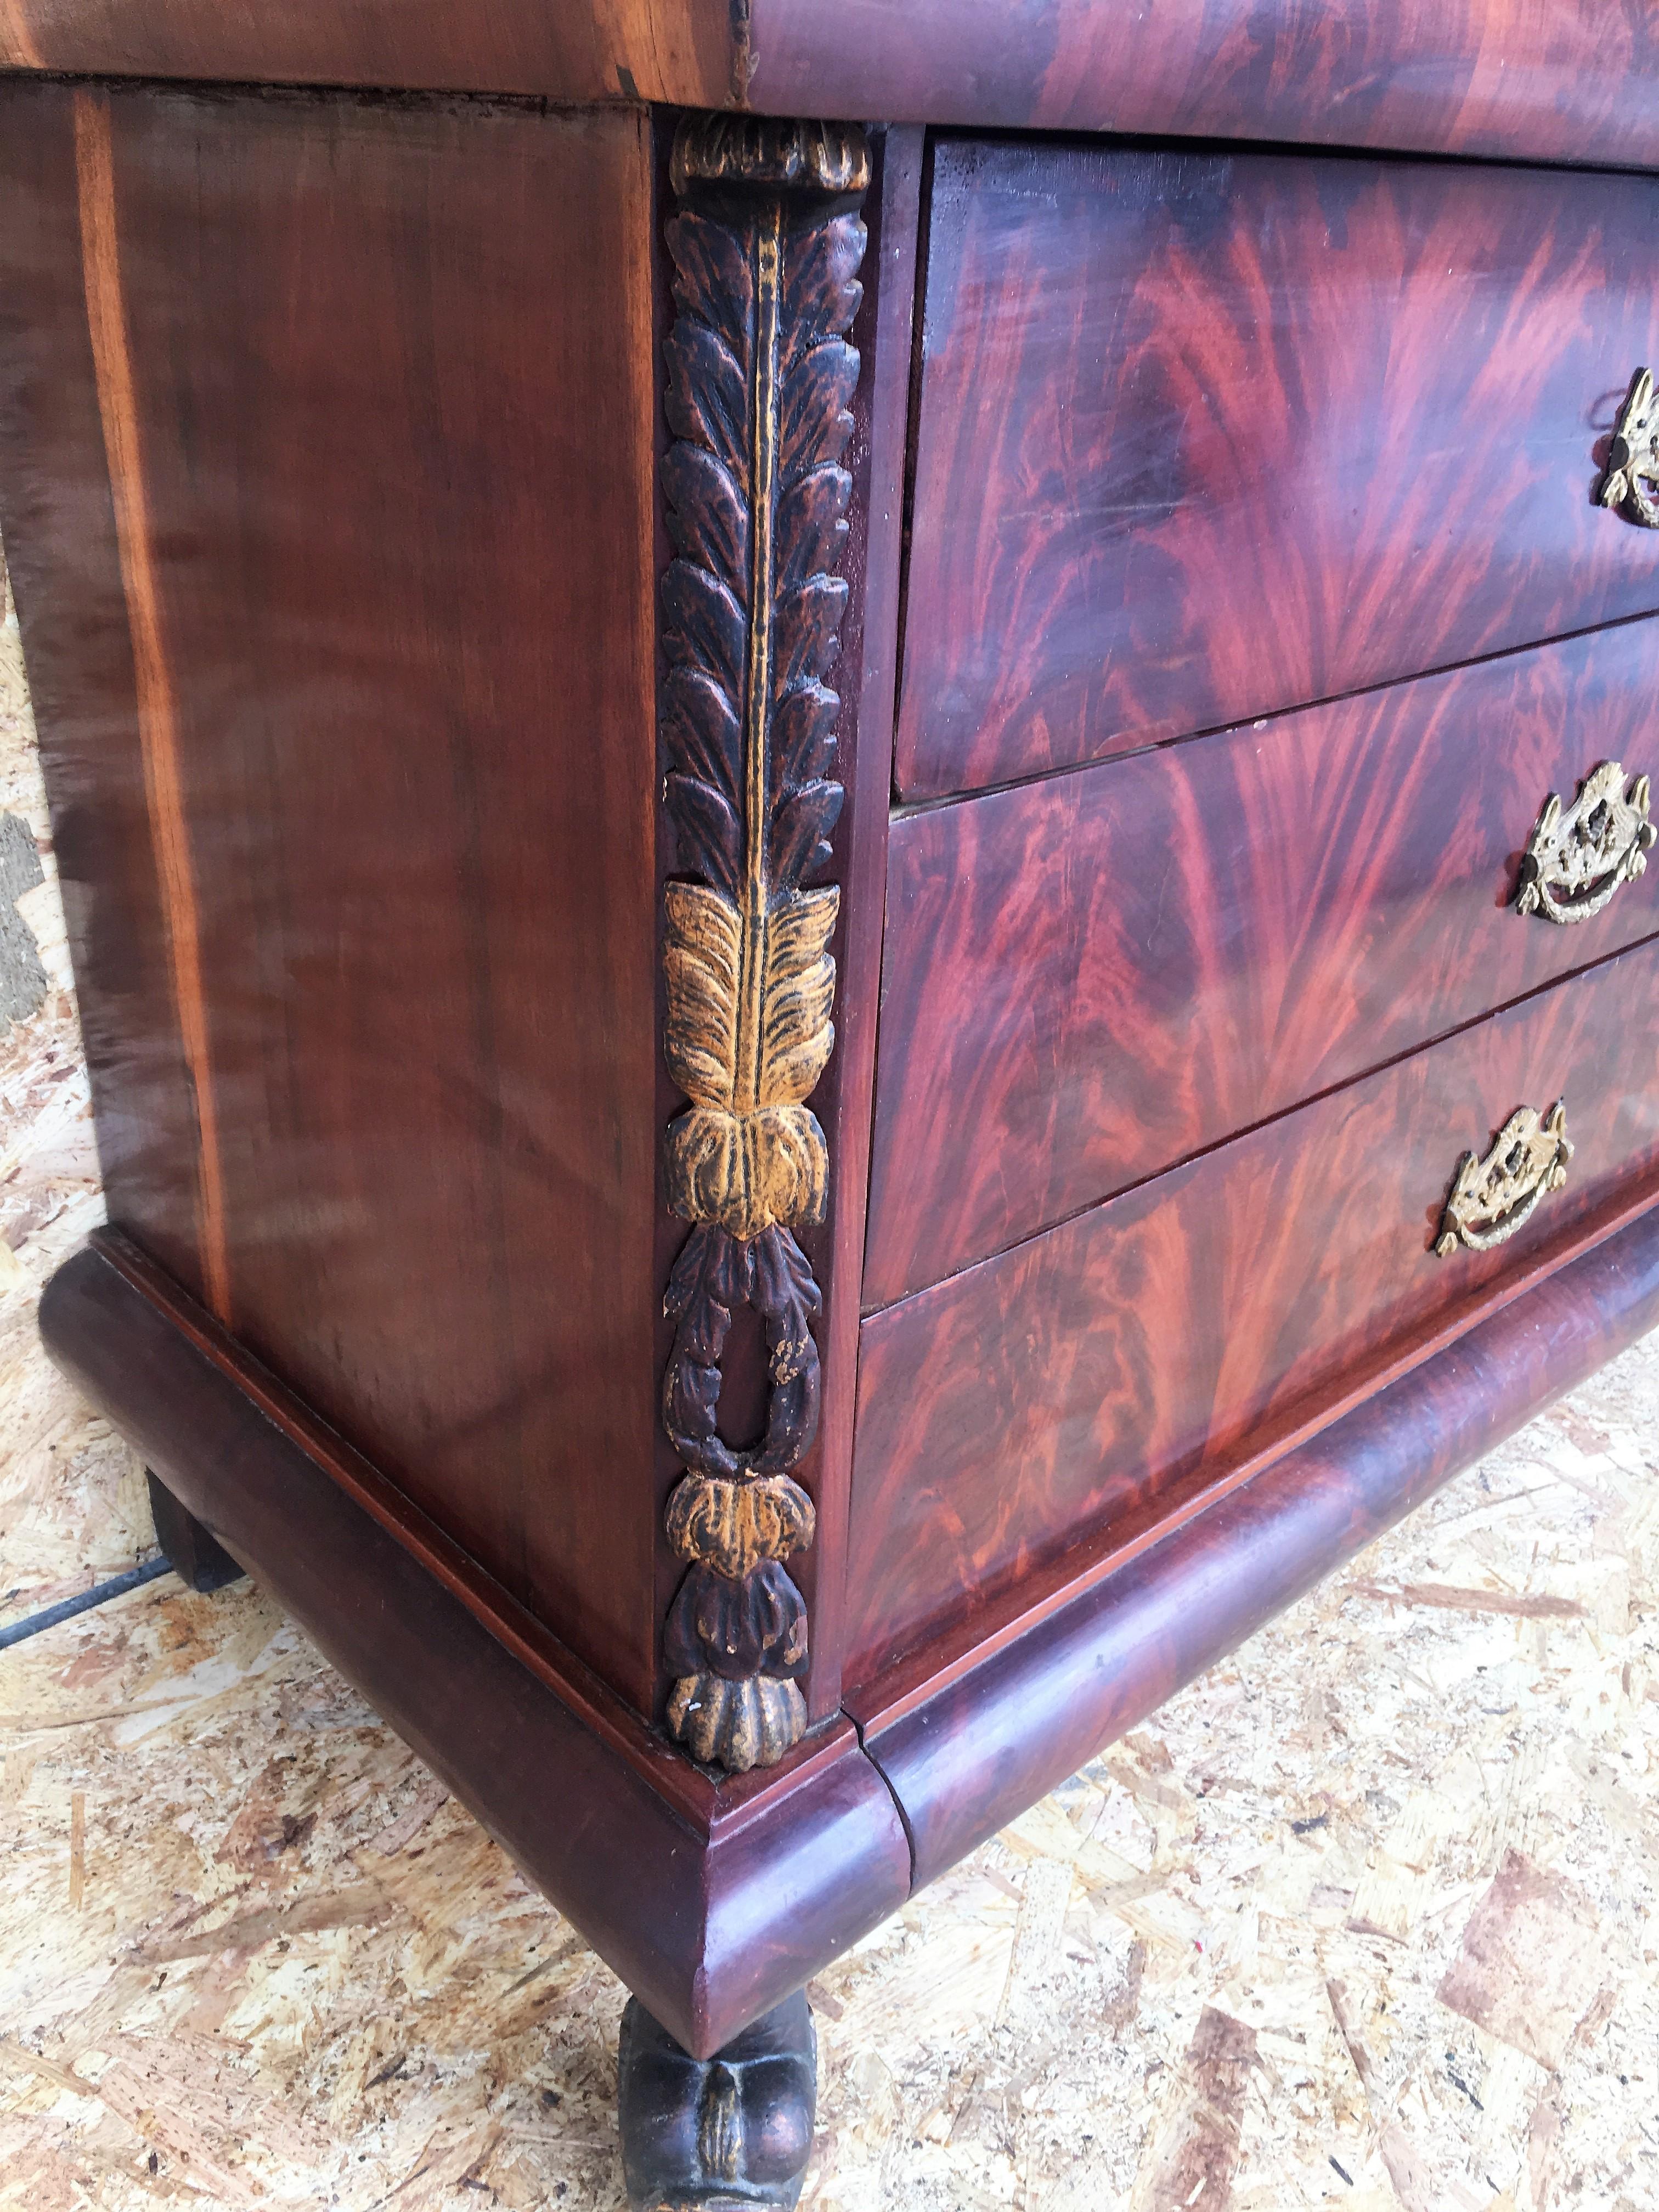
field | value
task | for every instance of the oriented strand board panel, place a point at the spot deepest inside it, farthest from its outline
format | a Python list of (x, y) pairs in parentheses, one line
[(325, 457)]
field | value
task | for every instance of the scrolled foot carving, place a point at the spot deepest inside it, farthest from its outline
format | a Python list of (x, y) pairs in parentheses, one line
[(723, 2134)]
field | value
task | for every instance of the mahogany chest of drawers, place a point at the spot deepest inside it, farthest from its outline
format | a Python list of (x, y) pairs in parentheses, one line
[(861, 905)]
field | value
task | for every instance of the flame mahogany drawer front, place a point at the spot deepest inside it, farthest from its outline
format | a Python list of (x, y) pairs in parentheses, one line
[(1090, 977), (1203, 435), (1095, 1374)]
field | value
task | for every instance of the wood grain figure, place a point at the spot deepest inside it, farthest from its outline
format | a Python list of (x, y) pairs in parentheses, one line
[(862, 906), (391, 578), (1088, 978), (679, 50), (1205, 434), (1142, 1348), (1498, 78), (971, 1737), (746, 1908)]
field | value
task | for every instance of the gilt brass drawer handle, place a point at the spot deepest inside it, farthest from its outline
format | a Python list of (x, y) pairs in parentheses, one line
[(1491, 1198), (1630, 482), (1575, 861)]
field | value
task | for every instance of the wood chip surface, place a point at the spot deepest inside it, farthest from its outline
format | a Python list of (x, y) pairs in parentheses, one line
[(1365, 1918)]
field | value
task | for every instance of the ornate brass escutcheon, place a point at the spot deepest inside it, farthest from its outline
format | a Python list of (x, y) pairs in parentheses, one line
[(1575, 861), (1491, 1198), (1630, 482)]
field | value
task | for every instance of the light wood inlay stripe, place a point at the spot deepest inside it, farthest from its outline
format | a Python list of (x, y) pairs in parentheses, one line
[(157, 715), (19, 48)]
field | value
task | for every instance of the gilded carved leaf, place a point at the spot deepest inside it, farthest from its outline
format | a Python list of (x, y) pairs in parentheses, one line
[(735, 1525), (750, 1721), (797, 990), (702, 958), (780, 152), (821, 287), (789, 1298), (748, 1035), (747, 1171), (710, 348), (708, 590), (737, 1626)]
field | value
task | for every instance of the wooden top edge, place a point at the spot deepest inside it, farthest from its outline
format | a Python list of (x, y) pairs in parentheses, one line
[(1491, 79), (679, 53)]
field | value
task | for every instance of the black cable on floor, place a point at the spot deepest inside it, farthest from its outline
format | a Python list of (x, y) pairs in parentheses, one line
[(117, 1586)]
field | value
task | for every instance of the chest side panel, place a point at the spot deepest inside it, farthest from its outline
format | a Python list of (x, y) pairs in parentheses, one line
[(374, 389)]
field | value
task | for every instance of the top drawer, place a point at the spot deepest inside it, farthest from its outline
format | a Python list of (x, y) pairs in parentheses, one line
[(1202, 437)]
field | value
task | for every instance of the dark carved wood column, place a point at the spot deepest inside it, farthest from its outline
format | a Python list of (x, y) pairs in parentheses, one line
[(766, 249)]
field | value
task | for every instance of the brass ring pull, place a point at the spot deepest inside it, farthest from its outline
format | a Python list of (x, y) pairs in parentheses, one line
[(1575, 861), (1631, 481), (1492, 1198)]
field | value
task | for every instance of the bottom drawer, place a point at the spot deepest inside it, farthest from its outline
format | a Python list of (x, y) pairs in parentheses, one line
[(1115, 1364)]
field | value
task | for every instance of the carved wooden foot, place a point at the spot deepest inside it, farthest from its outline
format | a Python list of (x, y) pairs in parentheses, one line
[(721, 2134), (192, 1554)]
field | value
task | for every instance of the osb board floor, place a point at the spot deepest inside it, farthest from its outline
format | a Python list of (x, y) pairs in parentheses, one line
[(1365, 1918)]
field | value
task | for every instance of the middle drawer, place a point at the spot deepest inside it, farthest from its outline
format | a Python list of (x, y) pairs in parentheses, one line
[(1087, 979)]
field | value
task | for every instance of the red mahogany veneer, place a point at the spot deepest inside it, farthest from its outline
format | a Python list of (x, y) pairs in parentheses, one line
[(1152, 1344), (248, 683), (1201, 435), (768, 1192), (1096, 1646), (1087, 978)]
